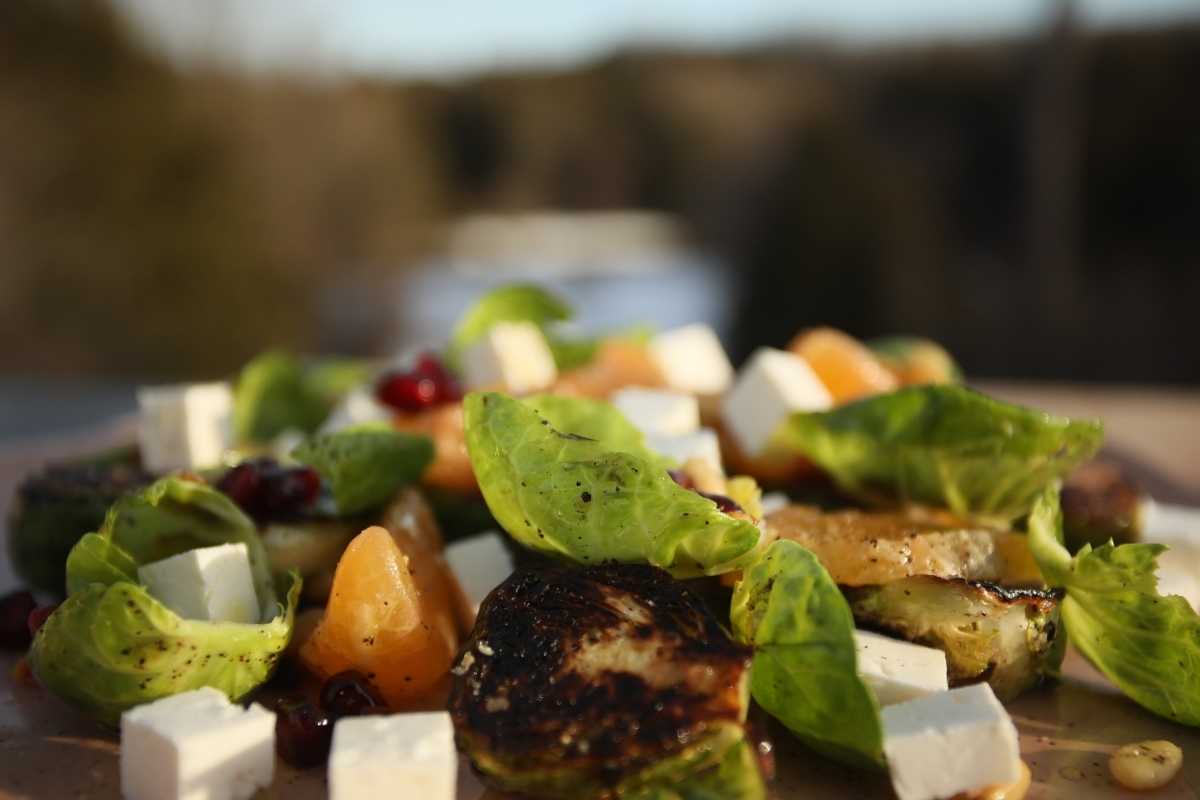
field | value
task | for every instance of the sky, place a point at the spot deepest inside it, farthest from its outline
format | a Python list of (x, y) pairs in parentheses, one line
[(451, 38)]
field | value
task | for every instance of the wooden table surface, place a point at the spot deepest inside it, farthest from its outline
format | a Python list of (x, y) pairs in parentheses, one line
[(1067, 730)]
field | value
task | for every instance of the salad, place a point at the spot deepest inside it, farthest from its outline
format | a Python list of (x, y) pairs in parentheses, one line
[(601, 567)]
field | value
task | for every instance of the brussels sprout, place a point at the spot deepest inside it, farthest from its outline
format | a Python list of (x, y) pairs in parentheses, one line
[(512, 303), (1101, 503), (568, 494), (1145, 643), (112, 645), (944, 446), (915, 360), (54, 508), (276, 392), (603, 682), (364, 465), (1009, 637), (805, 670)]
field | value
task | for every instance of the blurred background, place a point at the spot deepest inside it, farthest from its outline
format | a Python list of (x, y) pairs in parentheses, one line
[(185, 183)]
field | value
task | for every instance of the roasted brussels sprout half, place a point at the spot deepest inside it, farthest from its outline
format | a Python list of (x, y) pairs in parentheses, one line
[(863, 548), (602, 682), (1008, 637), (1100, 502), (914, 360), (55, 507)]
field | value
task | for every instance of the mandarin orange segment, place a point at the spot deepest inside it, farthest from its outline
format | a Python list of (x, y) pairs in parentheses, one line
[(845, 365), (618, 363), (451, 467), (391, 615)]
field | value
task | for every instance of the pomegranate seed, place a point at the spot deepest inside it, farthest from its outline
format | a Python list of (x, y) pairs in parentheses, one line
[(241, 484), (426, 385), (724, 503), (265, 490), (350, 694), (37, 618), (303, 733), (15, 609), (682, 478)]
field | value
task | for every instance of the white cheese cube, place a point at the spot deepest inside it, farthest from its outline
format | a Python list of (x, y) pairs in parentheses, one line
[(658, 413), (186, 426), (774, 501), (481, 563), (409, 755), (702, 444), (772, 385), (208, 583), (512, 356), (358, 407), (897, 670), (950, 742), (692, 359), (196, 746)]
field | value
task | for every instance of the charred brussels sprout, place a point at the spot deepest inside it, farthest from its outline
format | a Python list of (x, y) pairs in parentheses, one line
[(1008, 637), (603, 682), (57, 506)]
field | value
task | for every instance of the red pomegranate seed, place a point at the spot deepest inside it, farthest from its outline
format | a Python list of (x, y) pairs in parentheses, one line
[(426, 385), (15, 609), (265, 490), (303, 733), (37, 618)]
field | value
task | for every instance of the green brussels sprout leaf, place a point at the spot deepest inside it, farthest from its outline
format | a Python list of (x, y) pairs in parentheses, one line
[(275, 392), (1145, 643), (366, 464), (805, 668), (514, 303), (565, 493), (112, 645), (943, 445)]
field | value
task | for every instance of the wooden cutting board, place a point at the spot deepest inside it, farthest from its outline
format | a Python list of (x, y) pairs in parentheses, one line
[(1067, 730)]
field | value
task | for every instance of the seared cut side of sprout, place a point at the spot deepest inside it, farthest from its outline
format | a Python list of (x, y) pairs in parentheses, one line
[(861, 548), (1008, 637), (599, 682)]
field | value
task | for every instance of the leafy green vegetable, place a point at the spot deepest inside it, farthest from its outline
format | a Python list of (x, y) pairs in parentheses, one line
[(733, 775), (276, 392), (366, 464), (805, 668), (571, 495), (1147, 644), (594, 419), (169, 517), (112, 645), (946, 446), (514, 303)]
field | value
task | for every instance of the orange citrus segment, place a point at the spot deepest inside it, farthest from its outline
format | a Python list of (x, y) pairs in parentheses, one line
[(848, 368), (618, 363), (451, 467), (391, 615)]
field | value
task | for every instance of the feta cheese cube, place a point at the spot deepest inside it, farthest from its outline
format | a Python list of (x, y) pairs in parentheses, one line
[(658, 413), (411, 755), (702, 444), (358, 407), (196, 746), (692, 359), (512, 356), (208, 583), (897, 670), (481, 563), (774, 501), (961, 740), (772, 385), (185, 426)]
